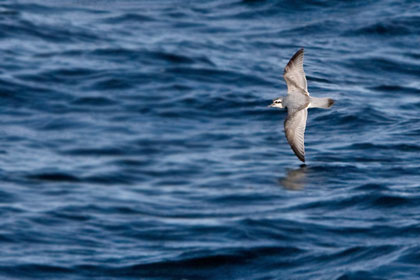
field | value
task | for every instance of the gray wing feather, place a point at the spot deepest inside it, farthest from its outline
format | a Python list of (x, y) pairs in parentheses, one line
[(294, 75), (294, 127)]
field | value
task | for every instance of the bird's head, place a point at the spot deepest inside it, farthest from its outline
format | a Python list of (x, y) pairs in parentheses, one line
[(278, 103)]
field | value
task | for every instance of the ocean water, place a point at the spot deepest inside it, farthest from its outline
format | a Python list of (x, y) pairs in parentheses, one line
[(136, 142)]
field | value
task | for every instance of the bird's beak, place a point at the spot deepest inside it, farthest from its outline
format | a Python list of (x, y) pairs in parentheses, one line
[(271, 105)]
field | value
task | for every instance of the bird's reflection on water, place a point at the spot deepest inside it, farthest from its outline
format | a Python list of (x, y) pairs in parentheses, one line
[(295, 179)]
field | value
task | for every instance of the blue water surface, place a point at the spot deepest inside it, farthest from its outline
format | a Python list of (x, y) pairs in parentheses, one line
[(136, 142)]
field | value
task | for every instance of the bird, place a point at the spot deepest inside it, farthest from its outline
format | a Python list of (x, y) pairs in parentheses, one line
[(297, 101)]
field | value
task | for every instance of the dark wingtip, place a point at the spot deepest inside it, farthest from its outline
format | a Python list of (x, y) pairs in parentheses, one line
[(299, 52), (330, 102), (299, 156)]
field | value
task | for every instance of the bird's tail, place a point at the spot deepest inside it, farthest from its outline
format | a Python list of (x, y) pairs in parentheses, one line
[(321, 102)]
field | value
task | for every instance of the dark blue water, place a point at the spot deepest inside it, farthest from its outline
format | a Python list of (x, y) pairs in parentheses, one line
[(136, 142)]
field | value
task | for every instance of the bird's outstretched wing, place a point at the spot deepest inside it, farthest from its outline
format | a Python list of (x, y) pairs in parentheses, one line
[(294, 74), (294, 127)]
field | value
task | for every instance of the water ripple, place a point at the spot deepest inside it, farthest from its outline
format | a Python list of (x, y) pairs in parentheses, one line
[(136, 141)]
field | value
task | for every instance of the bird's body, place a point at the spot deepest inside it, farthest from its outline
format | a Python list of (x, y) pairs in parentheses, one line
[(297, 101)]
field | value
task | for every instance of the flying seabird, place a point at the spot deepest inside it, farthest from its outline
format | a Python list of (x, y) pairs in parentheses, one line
[(297, 101)]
